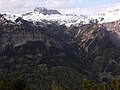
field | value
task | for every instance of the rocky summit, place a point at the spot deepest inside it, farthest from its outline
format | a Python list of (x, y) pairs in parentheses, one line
[(45, 11)]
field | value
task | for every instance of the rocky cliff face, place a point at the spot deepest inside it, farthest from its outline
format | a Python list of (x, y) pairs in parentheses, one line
[(46, 11), (47, 38), (89, 49), (22, 31), (97, 49), (114, 28)]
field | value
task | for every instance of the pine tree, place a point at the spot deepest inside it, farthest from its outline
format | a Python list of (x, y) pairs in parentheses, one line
[(86, 85)]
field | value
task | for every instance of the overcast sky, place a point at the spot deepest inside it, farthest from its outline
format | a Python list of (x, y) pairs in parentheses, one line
[(65, 6)]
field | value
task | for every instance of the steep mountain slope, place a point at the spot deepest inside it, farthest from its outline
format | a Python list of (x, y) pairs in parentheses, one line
[(31, 50), (114, 28), (100, 53), (45, 53)]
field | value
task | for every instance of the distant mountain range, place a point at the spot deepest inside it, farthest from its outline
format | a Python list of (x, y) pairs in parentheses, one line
[(42, 13)]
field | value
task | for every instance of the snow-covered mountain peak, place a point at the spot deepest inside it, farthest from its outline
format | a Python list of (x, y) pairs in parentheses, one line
[(115, 10), (10, 16), (46, 11), (107, 16), (39, 8), (40, 14)]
